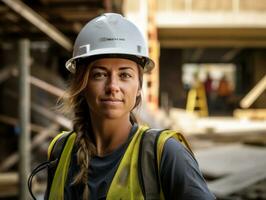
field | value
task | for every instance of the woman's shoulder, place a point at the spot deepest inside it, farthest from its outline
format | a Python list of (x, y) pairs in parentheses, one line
[(176, 155), (174, 146)]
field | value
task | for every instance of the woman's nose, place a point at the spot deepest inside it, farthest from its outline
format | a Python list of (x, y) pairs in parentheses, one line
[(112, 85)]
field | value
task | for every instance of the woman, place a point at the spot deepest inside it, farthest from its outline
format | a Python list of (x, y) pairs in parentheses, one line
[(100, 158)]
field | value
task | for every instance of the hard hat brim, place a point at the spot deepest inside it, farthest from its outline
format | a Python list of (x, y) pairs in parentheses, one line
[(145, 62)]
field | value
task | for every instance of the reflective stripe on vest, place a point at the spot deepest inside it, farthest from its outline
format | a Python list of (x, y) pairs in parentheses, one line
[(51, 145), (59, 180)]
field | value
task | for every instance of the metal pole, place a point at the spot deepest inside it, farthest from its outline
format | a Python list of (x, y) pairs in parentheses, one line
[(24, 117)]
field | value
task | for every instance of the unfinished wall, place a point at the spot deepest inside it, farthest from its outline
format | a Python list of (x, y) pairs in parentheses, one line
[(170, 76)]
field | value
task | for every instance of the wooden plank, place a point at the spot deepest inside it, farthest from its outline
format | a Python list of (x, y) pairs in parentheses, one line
[(8, 178), (254, 93), (259, 114), (226, 126), (8, 184), (238, 181)]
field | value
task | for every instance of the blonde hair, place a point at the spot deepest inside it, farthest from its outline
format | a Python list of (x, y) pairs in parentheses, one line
[(74, 102)]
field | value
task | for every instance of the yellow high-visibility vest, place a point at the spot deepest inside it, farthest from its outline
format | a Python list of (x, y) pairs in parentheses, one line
[(125, 184)]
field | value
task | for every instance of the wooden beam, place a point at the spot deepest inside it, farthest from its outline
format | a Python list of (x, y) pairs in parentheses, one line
[(94, 4), (8, 178), (223, 19), (256, 91), (6, 73), (11, 160), (63, 121), (215, 43), (76, 27), (41, 23), (13, 121), (117, 6), (44, 85), (12, 17), (228, 56), (216, 37), (211, 33), (108, 5), (8, 184), (197, 54)]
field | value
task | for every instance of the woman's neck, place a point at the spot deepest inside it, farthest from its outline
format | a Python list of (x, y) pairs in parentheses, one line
[(110, 133)]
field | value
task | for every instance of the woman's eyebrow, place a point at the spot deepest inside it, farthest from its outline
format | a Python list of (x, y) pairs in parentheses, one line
[(98, 67), (125, 68)]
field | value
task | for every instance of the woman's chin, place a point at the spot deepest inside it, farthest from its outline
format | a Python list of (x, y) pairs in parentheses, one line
[(112, 115)]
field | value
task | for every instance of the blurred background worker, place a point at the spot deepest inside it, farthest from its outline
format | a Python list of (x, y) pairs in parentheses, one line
[(224, 91)]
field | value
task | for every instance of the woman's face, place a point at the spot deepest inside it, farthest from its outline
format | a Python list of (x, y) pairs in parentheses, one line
[(113, 85)]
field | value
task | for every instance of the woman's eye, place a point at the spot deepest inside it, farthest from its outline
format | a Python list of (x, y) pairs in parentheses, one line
[(99, 75), (125, 75)]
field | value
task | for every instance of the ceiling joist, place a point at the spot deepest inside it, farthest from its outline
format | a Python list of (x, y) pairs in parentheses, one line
[(41, 23)]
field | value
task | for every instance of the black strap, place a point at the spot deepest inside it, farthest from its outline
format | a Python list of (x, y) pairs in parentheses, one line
[(147, 165), (58, 147), (36, 170), (55, 155)]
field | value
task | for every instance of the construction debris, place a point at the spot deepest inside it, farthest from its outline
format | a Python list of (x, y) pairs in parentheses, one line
[(253, 114)]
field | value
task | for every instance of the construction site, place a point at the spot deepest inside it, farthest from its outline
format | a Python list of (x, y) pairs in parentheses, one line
[(209, 83)]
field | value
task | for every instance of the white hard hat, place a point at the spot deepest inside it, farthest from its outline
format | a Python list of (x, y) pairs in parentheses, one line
[(110, 35)]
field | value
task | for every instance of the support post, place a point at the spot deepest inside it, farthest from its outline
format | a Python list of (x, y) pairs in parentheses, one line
[(24, 117)]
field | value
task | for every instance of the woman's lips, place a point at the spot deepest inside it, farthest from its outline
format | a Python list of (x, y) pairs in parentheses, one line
[(111, 101)]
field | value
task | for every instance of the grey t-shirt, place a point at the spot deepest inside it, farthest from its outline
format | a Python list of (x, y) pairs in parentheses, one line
[(179, 173)]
